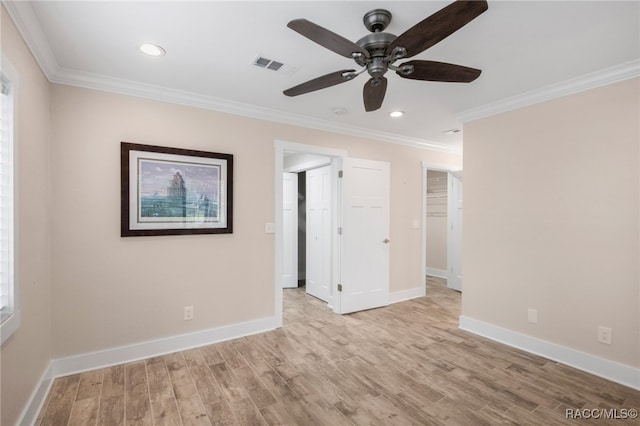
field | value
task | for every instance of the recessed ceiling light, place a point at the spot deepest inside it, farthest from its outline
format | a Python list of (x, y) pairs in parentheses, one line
[(152, 49), (339, 110), (452, 131), (396, 114)]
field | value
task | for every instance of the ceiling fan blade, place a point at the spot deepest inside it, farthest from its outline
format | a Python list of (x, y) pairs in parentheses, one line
[(438, 26), (320, 82), (439, 71), (326, 38), (373, 93)]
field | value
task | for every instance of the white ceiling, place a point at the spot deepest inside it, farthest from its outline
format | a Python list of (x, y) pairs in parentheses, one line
[(520, 46)]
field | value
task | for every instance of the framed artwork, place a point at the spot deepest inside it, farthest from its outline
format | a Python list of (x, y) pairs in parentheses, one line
[(172, 191)]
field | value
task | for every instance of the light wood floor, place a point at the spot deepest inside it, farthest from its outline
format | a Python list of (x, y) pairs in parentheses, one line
[(403, 364)]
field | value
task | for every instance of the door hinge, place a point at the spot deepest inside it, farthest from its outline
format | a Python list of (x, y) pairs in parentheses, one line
[(339, 287), (340, 174), (340, 230)]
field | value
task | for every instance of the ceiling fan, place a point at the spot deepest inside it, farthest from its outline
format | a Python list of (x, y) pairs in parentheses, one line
[(377, 52)]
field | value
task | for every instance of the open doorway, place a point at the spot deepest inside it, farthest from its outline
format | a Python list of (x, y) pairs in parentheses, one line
[(437, 203), (359, 228), (442, 224), (301, 256), (307, 223)]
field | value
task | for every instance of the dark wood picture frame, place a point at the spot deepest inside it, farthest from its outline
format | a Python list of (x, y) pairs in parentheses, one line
[(174, 191)]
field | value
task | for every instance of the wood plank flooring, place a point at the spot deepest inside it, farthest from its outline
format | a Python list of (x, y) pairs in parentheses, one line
[(405, 364)]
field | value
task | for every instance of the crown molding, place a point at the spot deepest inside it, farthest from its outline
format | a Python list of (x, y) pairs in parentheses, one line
[(585, 82), (25, 19), (159, 93)]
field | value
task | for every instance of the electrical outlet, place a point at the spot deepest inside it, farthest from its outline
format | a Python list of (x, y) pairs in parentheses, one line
[(532, 316), (188, 313), (604, 335)]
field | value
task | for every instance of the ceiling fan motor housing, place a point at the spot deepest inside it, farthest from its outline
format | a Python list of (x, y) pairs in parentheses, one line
[(376, 44)]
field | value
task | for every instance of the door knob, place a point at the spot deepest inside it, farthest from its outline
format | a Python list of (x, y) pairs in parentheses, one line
[(386, 241)]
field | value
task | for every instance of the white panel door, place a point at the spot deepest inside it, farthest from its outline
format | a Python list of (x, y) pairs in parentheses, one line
[(290, 230), (454, 237), (364, 257), (318, 200)]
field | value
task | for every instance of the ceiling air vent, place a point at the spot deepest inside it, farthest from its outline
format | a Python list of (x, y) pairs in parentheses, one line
[(267, 63)]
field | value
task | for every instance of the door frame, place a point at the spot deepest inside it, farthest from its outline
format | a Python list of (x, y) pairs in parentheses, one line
[(454, 244), (292, 282), (440, 168), (336, 156)]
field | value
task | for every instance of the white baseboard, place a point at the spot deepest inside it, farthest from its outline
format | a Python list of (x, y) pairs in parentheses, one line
[(610, 370), (129, 353), (412, 293), (138, 351), (440, 273), (38, 397)]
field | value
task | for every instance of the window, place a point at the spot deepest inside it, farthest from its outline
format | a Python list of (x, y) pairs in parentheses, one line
[(9, 312)]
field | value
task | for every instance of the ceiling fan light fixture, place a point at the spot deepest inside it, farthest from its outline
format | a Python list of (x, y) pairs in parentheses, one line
[(152, 49), (396, 114)]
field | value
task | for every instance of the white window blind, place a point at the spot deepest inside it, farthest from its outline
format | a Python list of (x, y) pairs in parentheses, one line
[(6, 200), (10, 317)]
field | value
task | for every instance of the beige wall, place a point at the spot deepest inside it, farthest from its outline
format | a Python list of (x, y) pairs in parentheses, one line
[(437, 221), (26, 354), (110, 291), (551, 220)]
